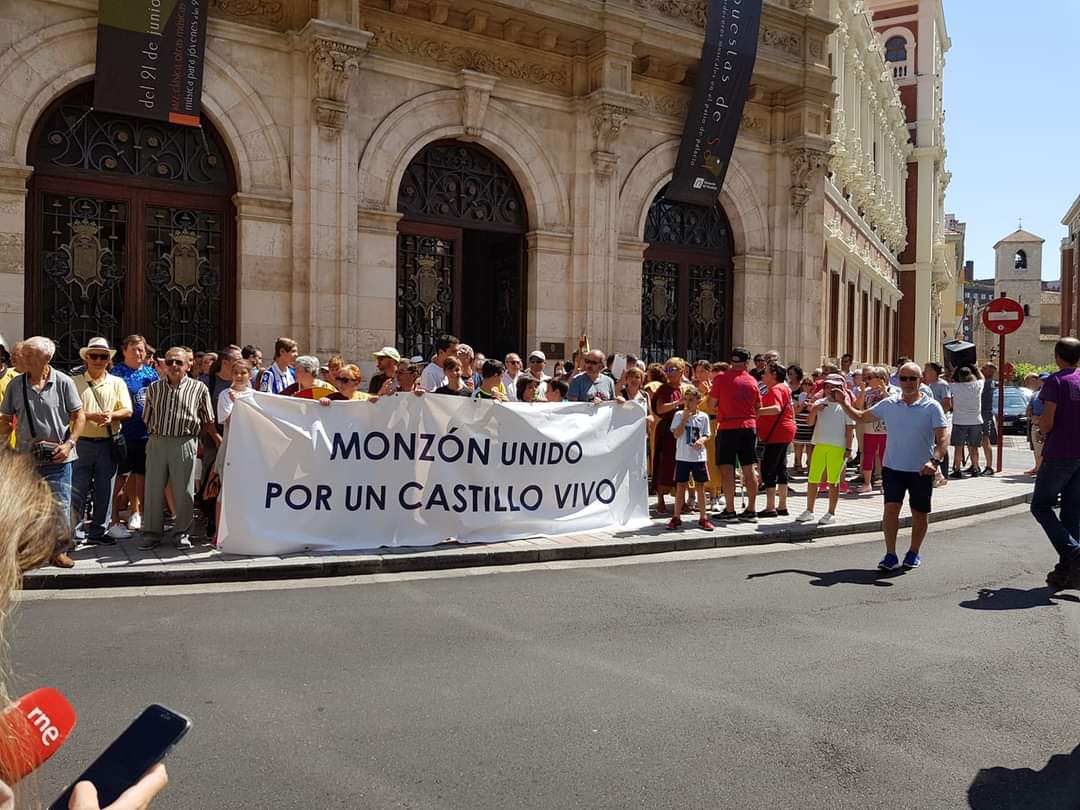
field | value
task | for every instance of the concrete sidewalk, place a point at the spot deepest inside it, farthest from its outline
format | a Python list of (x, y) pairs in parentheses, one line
[(125, 565)]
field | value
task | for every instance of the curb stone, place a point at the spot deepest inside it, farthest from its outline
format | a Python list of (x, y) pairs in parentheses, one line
[(300, 568)]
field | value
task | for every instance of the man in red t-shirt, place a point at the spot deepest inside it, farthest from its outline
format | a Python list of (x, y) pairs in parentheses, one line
[(737, 400)]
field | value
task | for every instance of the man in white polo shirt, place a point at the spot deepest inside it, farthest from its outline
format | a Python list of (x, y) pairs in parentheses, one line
[(918, 441)]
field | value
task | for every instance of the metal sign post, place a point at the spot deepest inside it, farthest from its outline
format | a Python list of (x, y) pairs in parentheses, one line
[(1003, 316)]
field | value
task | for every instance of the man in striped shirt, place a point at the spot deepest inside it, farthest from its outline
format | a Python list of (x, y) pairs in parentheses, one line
[(176, 411)]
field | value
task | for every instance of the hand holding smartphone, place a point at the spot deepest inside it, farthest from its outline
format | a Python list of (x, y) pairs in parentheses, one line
[(126, 761)]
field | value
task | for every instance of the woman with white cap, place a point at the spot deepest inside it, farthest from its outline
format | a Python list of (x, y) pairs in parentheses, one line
[(106, 403)]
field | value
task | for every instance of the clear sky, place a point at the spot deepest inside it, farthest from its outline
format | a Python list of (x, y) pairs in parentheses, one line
[(1012, 122)]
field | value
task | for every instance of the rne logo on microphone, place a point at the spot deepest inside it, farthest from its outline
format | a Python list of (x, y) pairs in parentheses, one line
[(49, 732)]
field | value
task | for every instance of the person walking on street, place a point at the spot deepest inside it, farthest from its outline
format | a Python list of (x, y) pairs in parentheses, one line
[(106, 403), (1059, 474), (177, 410), (49, 422), (918, 440)]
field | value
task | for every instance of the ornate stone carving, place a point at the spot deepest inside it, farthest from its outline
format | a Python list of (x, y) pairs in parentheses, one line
[(267, 11), (808, 167), (462, 57), (781, 40), (756, 127), (475, 94), (692, 11), (334, 64), (608, 123), (802, 5), (662, 104)]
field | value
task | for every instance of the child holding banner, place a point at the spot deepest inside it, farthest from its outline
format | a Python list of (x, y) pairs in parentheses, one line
[(691, 429)]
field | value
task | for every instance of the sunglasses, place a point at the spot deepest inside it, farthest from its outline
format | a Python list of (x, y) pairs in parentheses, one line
[(535, 360), (594, 362), (908, 379), (97, 356), (345, 380), (174, 362), (670, 370), (513, 362)]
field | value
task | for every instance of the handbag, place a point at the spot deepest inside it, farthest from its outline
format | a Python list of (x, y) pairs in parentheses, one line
[(41, 450), (118, 448)]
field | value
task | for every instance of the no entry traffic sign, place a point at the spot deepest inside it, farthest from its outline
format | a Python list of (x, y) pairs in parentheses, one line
[(1003, 316)]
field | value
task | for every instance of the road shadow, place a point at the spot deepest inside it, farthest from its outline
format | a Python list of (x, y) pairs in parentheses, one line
[(1055, 787), (1017, 599), (845, 576)]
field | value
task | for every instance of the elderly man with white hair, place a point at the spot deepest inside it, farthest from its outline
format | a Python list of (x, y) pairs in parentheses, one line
[(918, 441), (49, 421)]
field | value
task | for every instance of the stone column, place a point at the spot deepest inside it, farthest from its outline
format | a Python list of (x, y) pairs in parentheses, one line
[(549, 273), (326, 305), (372, 284), (13, 179), (264, 268), (627, 315)]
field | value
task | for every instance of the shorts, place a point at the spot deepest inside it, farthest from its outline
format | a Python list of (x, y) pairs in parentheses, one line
[(136, 458), (989, 429), (873, 448), (684, 469), (826, 458), (966, 436), (918, 488), (774, 465), (736, 447)]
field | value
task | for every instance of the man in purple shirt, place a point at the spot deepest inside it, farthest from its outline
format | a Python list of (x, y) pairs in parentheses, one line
[(1060, 471)]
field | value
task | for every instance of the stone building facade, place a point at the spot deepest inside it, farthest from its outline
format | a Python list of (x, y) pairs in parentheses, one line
[(1070, 273), (374, 172)]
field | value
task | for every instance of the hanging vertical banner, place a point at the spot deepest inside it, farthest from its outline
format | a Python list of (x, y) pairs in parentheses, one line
[(150, 59), (723, 84)]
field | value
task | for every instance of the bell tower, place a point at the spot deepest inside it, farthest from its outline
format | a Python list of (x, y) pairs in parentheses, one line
[(1018, 275)]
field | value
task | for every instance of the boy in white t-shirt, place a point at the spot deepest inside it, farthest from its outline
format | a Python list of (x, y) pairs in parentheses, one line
[(833, 434), (691, 429)]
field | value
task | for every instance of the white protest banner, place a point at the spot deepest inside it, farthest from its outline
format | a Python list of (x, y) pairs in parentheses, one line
[(415, 471)]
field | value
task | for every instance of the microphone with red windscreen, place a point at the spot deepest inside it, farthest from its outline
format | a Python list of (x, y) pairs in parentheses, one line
[(32, 729)]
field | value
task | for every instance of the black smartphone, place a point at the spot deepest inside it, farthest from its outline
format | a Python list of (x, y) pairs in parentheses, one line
[(142, 745)]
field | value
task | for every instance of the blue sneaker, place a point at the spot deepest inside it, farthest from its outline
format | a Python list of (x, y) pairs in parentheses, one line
[(890, 562), (912, 560)]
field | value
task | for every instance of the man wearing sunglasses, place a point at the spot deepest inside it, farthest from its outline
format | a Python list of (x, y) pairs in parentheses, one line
[(918, 441), (592, 385), (177, 410)]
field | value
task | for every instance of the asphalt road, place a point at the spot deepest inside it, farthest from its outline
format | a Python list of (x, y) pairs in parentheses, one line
[(796, 679)]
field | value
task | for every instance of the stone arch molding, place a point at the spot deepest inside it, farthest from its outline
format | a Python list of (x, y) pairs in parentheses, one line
[(437, 116), (740, 200), (41, 67)]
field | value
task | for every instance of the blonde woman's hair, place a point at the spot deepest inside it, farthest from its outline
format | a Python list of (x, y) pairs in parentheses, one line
[(675, 362)]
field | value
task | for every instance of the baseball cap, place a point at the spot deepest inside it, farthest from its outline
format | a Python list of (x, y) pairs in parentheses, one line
[(740, 356), (388, 351), (1046, 375), (538, 356), (836, 379)]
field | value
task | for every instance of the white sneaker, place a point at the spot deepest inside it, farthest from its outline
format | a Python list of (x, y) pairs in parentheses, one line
[(135, 522), (826, 519), (118, 532), (805, 517), (183, 541)]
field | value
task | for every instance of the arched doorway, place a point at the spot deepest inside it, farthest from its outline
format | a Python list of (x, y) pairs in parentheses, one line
[(686, 282), (130, 228), (461, 252)]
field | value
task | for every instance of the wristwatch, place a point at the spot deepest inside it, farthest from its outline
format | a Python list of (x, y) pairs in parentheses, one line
[(936, 461)]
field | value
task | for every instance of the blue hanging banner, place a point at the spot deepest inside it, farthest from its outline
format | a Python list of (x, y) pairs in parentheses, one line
[(723, 85)]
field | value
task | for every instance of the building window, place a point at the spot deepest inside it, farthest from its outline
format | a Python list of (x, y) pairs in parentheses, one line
[(1027, 309), (896, 49)]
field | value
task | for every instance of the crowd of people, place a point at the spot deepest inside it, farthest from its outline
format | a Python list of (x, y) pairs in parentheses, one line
[(120, 440)]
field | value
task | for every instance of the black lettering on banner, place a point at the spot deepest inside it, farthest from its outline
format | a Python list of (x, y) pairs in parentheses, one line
[(458, 446), (531, 498), (574, 453), (273, 490), (425, 452), (405, 446), (367, 497), (412, 507), (381, 454)]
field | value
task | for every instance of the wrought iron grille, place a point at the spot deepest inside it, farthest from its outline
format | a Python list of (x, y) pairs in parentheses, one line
[(84, 262), (688, 226), (183, 277), (463, 185), (77, 137), (708, 313), (659, 310), (425, 292)]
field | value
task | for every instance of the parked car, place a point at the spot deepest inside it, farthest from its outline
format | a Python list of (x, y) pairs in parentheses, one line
[(1016, 405)]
